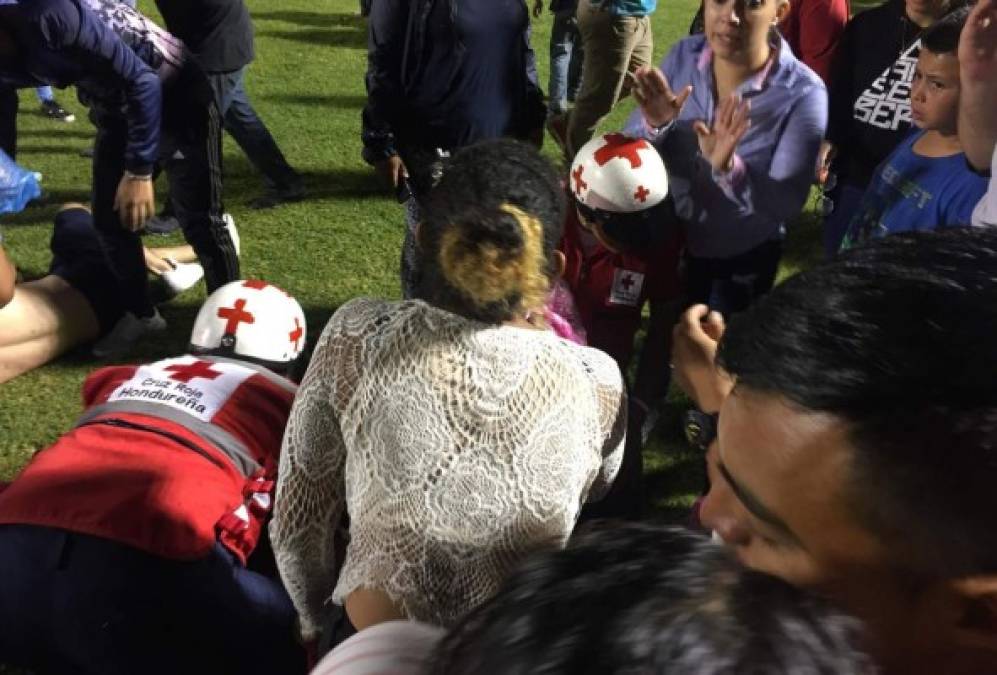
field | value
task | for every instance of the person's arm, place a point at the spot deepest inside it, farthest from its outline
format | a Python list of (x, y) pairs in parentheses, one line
[(978, 84), (68, 27), (309, 501), (840, 89), (8, 277), (694, 350), (612, 424), (386, 42), (778, 190), (821, 24), (536, 108)]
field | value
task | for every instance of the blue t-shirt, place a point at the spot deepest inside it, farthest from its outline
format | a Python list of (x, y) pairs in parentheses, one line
[(910, 192), (627, 7)]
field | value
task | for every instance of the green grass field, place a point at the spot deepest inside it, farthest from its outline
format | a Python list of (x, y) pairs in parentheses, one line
[(343, 241)]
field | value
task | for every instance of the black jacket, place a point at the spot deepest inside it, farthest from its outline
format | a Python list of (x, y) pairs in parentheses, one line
[(410, 102), (218, 32), (870, 89)]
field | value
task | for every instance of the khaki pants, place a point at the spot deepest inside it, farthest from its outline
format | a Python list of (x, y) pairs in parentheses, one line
[(613, 45)]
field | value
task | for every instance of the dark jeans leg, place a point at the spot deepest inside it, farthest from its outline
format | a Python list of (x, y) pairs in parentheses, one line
[(846, 199), (249, 131), (73, 603), (625, 499), (123, 247), (191, 124), (731, 285), (8, 120)]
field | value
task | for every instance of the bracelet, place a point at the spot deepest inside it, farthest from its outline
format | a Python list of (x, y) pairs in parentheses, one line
[(134, 176)]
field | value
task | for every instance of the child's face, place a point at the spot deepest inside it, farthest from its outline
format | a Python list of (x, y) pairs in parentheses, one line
[(934, 96)]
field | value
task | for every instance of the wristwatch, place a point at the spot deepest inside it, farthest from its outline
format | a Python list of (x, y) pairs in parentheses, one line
[(700, 428)]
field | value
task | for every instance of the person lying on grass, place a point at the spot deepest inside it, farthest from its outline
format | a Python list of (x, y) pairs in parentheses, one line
[(76, 302)]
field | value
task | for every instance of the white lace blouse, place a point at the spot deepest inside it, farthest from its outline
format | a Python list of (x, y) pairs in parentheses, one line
[(455, 448)]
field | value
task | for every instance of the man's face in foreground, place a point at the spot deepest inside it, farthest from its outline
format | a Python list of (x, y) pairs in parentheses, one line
[(779, 498)]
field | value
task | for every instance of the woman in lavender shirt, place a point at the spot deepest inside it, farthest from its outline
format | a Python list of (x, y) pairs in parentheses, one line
[(738, 121)]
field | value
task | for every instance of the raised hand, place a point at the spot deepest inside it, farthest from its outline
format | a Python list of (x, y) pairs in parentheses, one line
[(731, 123), (978, 44), (659, 104)]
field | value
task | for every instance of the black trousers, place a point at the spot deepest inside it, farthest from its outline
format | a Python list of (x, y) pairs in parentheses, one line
[(190, 154), (8, 120)]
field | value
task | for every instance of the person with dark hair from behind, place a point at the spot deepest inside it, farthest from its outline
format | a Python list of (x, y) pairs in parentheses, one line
[(625, 598), (458, 433), (925, 183), (857, 448), (127, 545)]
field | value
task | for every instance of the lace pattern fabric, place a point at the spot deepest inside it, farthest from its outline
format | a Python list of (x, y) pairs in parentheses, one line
[(455, 447)]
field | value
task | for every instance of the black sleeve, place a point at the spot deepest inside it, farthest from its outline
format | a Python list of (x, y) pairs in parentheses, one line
[(385, 50), (841, 90)]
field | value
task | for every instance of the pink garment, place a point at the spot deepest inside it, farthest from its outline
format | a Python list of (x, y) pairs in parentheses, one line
[(562, 314)]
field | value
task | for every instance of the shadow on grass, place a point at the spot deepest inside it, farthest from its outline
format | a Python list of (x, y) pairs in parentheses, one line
[(333, 101), (321, 37), (58, 132), (319, 19)]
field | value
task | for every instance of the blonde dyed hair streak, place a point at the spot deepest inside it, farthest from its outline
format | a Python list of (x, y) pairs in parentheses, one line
[(488, 274)]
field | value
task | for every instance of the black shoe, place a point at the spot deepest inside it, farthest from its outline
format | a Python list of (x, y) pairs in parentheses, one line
[(274, 198), (162, 225), (54, 111)]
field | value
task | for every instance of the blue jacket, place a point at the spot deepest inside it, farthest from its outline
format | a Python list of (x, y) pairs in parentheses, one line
[(83, 43)]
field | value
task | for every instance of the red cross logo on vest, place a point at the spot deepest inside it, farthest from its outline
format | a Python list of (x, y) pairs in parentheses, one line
[(579, 183), (618, 145), (295, 335), (235, 315), (191, 371), (255, 284), (627, 282), (641, 194)]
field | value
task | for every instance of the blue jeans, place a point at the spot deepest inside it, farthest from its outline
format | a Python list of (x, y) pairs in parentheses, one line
[(249, 131), (44, 94), (73, 603), (731, 285), (566, 57)]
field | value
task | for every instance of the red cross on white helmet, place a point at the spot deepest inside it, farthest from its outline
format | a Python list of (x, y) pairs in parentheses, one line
[(621, 174), (252, 319)]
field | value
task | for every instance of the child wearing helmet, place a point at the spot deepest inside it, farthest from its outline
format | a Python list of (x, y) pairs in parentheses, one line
[(136, 528), (622, 250)]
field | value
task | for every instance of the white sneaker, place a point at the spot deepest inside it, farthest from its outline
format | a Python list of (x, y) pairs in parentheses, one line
[(182, 276), (126, 333), (232, 231)]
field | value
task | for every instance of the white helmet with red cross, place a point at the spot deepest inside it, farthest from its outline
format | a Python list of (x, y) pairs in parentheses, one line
[(614, 173), (253, 320)]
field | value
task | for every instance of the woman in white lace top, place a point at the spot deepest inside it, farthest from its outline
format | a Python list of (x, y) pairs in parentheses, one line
[(456, 433)]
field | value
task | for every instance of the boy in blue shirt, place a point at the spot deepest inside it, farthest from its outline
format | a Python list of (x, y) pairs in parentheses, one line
[(925, 183)]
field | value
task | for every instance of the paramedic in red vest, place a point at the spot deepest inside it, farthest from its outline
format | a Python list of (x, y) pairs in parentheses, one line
[(124, 546)]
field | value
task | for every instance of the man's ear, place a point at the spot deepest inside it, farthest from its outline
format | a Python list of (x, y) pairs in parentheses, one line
[(782, 11), (976, 628)]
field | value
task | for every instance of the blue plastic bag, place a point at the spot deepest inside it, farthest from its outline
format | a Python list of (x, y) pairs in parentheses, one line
[(18, 186)]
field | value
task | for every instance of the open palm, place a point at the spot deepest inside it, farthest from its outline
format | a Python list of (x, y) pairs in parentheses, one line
[(729, 126)]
